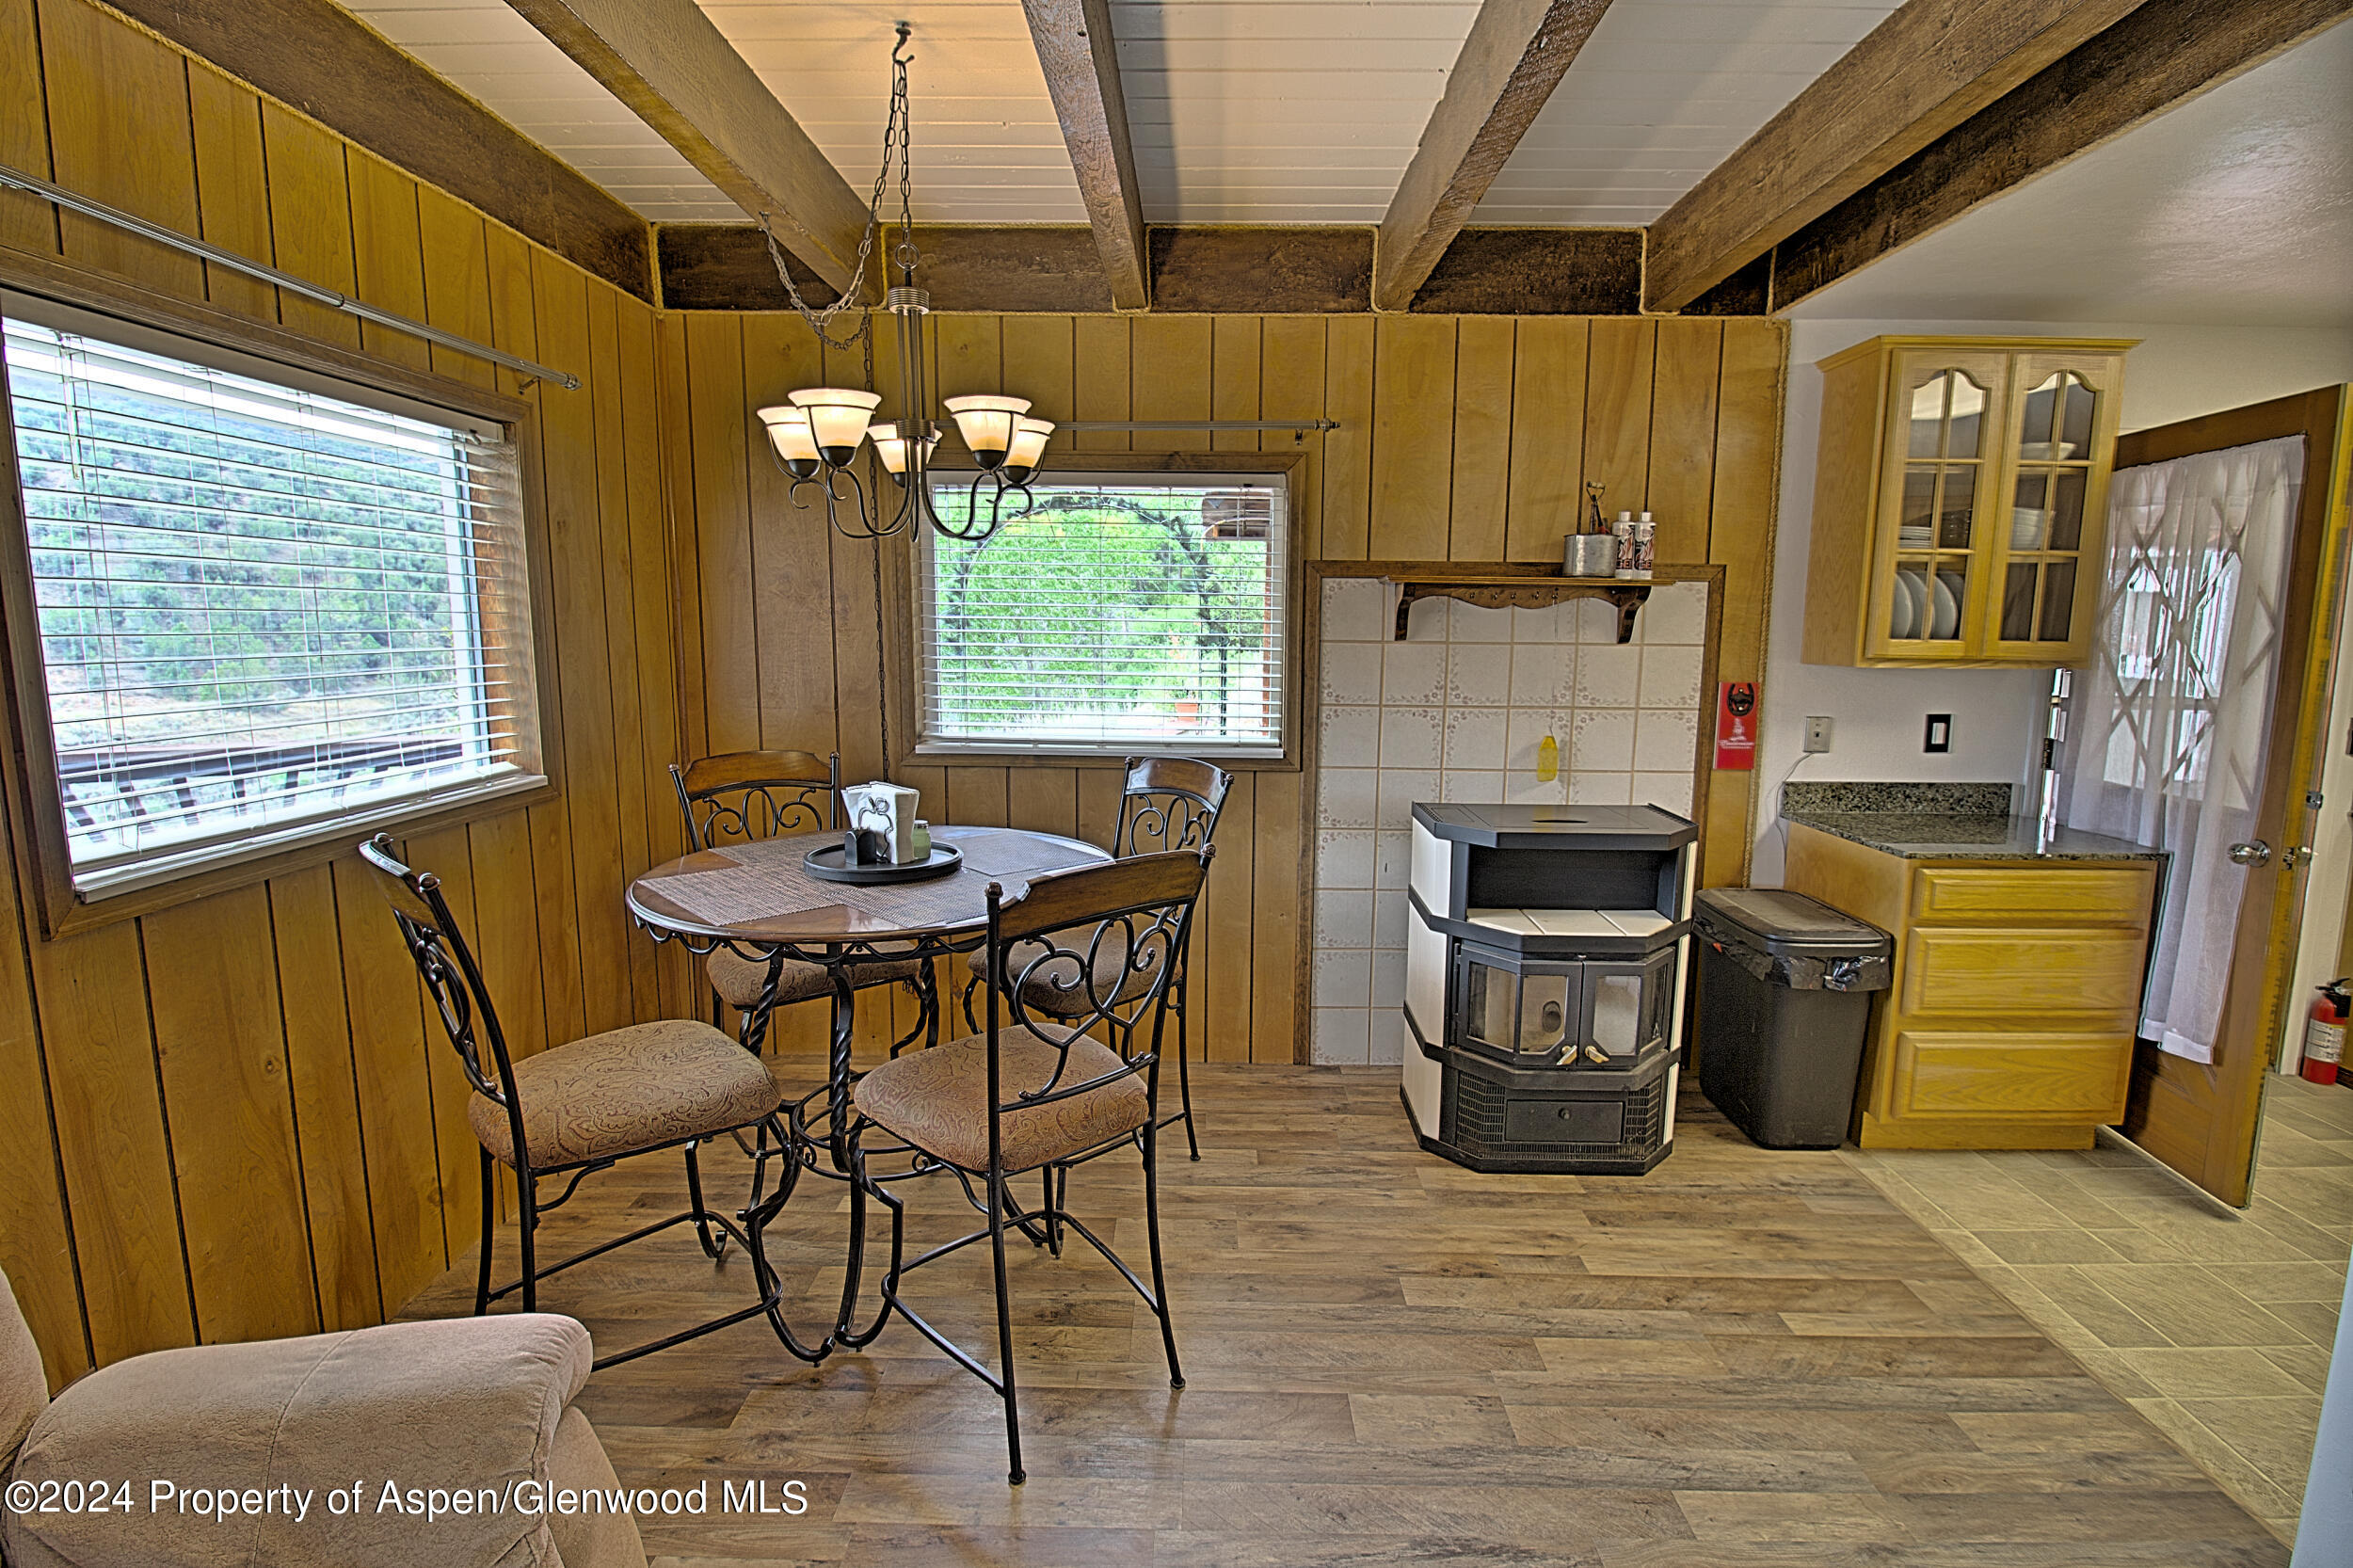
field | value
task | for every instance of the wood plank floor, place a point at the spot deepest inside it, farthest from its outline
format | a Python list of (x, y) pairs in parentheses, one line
[(1744, 1357)]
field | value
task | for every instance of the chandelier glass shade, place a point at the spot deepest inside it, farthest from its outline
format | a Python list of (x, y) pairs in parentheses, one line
[(818, 434)]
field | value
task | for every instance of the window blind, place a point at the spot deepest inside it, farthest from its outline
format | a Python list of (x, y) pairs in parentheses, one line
[(262, 607), (1116, 612)]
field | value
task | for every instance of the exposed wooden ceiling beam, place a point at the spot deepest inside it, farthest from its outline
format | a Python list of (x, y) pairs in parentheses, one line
[(2164, 53), (1924, 70), (668, 63), (1516, 54), (1075, 45)]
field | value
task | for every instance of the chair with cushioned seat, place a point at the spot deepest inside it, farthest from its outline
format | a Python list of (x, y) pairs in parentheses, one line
[(1168, 803), (739, 795), (580, 1108), (483, 1403), (1042, 1091)]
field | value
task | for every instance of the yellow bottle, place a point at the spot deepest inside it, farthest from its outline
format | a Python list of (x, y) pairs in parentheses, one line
[(1548, 759)]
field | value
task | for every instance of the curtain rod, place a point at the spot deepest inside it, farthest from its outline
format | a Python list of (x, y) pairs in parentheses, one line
[(235, 262)]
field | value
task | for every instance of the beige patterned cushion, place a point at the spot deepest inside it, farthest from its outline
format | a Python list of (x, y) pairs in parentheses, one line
[(738, 980), (627, 1089), (1053, 990), (937, 1100), (24, 1386)]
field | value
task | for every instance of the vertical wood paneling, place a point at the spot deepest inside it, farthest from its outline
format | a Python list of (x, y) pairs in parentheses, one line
[(1547, 436), (1617, 411), (1223, 951), (326, 1099), (119, 132), (220, 1049), (1102, 350), (791, 559), (1740, 540), (723, 539), (1346, 478), (680, 509), (1680, 481), (1481, 467), (1234, 376), (252, 1130), (1413, 437)]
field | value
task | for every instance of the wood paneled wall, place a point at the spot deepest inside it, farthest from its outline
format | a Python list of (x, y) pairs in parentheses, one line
[(1461, 437), (233, 1119)]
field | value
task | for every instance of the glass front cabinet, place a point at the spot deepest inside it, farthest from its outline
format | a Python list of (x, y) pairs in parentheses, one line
[(1959, 501)]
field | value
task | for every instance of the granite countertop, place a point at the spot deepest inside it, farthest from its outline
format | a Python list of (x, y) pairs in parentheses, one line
[(1944, 835), (1943, 822)]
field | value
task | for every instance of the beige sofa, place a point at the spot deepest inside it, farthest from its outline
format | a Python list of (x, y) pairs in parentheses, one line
[(286, 1428)]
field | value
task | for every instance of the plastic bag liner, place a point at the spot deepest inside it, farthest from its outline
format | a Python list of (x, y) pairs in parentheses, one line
[(1786, 938)]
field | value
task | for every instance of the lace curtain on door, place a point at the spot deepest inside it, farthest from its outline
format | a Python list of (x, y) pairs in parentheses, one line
[(2169, 723)]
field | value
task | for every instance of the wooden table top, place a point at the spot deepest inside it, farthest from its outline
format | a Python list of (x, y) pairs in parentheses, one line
[(759, 892)]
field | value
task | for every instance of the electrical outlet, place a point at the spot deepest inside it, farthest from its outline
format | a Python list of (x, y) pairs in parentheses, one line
[(1940, 733), (1817, 732)]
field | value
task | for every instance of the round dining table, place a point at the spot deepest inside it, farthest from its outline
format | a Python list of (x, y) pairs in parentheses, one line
[(757, 899)]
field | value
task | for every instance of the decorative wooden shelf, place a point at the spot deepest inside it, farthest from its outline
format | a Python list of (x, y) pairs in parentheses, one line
[(1492, 587)]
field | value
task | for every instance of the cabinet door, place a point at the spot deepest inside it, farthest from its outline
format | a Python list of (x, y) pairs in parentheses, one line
[(1944, 417), (2046, 559)]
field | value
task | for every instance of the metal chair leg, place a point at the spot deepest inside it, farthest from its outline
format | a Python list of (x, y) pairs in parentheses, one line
[(1184, 1075), (712, 1250), (1152, 1230), (489, 1229), (1004, 1325), (527, 1224)]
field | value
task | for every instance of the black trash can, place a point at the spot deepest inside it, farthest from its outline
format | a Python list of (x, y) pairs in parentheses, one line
[(1785, 1002)]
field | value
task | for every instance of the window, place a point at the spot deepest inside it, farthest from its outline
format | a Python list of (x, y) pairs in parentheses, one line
[(1119, 612), (270, 607)]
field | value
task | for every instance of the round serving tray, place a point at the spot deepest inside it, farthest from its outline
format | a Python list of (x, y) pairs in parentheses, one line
[(825, 865)]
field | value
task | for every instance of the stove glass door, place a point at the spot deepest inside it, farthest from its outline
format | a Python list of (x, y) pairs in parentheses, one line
[(1626, 1005), (1517, 1008)]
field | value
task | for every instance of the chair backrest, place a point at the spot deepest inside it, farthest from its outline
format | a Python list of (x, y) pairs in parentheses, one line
[(758, 795), (24, 1386), (451, 977), (1104, 940), (1170, 802)]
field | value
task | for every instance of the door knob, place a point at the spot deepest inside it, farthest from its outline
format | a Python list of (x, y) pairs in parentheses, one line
[(2254, 854)]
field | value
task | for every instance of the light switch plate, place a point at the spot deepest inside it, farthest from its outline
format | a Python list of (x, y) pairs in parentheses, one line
[(1817, 732), (1940, 733)]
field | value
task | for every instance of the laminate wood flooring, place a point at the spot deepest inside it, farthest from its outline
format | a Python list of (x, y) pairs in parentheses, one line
[(1743, 1358), (2215, 1325)]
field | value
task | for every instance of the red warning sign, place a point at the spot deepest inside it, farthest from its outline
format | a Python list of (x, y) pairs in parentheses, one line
[(1735, 725)]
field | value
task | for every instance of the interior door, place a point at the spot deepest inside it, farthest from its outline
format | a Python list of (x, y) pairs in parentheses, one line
[(2201, 1118)]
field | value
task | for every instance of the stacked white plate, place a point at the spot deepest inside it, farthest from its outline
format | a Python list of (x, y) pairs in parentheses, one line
[(1911, 594)]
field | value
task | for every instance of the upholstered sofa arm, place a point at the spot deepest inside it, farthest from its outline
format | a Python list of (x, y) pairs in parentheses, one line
[(413, 1443)]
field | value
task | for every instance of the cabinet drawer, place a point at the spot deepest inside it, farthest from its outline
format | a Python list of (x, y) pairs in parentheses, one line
[(1942, 895), (2070, 1077), (2028, 973)]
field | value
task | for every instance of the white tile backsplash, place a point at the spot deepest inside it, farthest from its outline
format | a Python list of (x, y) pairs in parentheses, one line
[(1456, 712)]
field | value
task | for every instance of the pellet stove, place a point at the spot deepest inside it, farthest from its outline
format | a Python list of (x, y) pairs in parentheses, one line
[(1544, 963)]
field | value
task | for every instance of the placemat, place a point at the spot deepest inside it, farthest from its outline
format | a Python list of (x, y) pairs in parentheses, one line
[(768, 880)]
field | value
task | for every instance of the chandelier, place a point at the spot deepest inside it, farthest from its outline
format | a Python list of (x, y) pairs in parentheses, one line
[(816, 435)]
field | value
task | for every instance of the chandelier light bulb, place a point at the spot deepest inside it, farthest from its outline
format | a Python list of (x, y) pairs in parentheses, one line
[(1028, 446), (788, 432), (891, 447), (987, 425), (838, 418)]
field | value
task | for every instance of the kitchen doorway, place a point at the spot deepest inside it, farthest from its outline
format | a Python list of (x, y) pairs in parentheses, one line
[(2202, 1118)]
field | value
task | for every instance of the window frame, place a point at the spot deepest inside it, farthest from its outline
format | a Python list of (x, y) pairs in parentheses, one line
[(903, 689), (33, 795)]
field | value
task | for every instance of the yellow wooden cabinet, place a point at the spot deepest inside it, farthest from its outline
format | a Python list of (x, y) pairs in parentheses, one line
[(1960, 500), (2017, 990)]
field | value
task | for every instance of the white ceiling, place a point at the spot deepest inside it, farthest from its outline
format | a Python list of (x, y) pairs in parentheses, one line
[(1242, 111), (2235, 209)]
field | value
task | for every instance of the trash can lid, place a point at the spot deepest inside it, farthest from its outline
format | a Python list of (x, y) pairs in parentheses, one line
[(1775, 920)]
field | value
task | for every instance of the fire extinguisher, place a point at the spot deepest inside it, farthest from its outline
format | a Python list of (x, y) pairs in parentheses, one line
[(2324, 1030)]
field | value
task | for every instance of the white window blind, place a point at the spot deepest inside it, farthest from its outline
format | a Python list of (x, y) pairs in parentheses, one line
[(1118, 612), (263, 609)]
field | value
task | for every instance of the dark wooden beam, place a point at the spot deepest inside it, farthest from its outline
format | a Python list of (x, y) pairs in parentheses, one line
[(1074, 46), (1573, 272), (725, 266), (2164, 53), (1516, 55), (321, 59), (1276, 271), (668, 61), (1924, 70)]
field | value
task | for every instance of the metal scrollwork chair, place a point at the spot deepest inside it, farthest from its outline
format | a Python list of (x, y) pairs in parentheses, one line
[(577, 1109), (742, 795), (1037, 1091), (1169, 803)]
